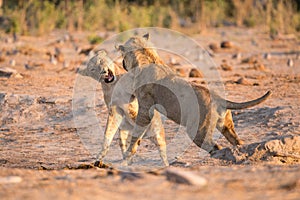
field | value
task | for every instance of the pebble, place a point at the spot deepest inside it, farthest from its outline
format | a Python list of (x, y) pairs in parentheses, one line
[(290, 62), (213, 47), (243, 81), (173, 61), (66, 64), (195, 73), (267, 56), (259, 67), (226, 44), (226, 67), (237, 56), (28, 67), (53, 60), (180, 176), (180, 72), (66, 37), (12, 62), (250, 60), (7, 72)]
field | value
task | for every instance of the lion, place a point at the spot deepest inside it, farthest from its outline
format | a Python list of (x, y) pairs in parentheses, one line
[(121, 117), (193, 106)]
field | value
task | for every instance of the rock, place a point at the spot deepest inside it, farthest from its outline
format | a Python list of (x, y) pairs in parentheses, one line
[(243, 81), (237, 56), (290, 62), (7, 72), (195, 73), (180, 176), (259, 67), (10, 179), (12, 62), (180, 72), (18, 75), (249, 60), (226, 67), (66, 37), (173, 61), (66, 64), (267, 56), (226, 45), (53, 60), (214, 47), (28, 66)]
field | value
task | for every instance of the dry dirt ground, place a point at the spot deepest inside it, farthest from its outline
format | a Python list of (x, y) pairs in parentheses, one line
[(42, 156)]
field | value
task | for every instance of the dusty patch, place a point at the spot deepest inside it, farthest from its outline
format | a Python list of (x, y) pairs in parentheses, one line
[(283, 150)]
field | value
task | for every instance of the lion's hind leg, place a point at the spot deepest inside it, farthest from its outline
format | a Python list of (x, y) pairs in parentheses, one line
[(157, 132), (202, 135), (226, 127)]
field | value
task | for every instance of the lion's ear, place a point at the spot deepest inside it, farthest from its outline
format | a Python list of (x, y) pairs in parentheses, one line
[(119, 47), (146, 36)]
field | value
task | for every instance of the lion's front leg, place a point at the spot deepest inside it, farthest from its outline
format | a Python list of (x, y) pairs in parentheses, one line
[(125, 138), (113, 122), (142, 122)]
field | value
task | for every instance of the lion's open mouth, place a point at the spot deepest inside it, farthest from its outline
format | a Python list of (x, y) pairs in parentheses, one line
[(109, 77)]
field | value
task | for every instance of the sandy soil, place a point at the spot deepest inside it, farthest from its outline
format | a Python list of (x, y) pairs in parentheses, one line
[(41, 153)]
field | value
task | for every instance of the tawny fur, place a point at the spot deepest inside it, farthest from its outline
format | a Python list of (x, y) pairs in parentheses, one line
[(141, 61), (121, 117)]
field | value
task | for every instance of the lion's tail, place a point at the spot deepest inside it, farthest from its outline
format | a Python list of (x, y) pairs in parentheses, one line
[(236, 106)]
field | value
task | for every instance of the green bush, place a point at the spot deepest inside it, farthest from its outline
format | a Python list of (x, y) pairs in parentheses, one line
[(95, 39), (39, 17), (250, 22)]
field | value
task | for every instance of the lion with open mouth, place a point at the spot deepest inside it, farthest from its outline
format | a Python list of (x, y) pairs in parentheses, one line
[(121, 115)]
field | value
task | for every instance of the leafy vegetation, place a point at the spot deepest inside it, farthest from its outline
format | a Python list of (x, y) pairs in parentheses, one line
[(42, 16)]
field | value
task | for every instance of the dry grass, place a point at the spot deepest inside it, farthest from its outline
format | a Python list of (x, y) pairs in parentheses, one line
[(38, 17)]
